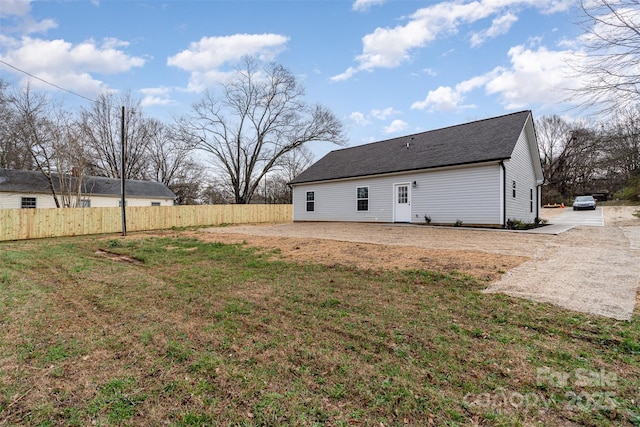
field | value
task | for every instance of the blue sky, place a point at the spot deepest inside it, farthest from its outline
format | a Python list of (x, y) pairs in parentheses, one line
[(385, 67)]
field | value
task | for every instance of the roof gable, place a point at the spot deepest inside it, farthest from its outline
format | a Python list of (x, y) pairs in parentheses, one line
[(475, 142), (24, 181)]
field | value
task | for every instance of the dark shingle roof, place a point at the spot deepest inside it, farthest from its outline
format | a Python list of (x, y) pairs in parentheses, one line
[(475, 142), (23, 181)]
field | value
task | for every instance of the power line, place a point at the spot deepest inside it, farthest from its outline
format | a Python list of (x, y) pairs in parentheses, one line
[(49, 83)]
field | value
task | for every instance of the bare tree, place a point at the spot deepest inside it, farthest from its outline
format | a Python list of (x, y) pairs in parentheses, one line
[(102, 126), (52, 138), (35, 131), (258, 118), (571, 155), (171, 162), (14, 153), (276, 187), (621, 136), (72, 160), (216, 192), (612, 38), (623, 143)]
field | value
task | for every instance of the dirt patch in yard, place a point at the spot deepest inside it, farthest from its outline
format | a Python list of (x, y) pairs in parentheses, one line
[(591, 269), (484, 254), (482, 265)]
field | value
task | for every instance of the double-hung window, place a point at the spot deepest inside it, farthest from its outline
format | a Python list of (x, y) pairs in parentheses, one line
[(311, 201), (363, 198)]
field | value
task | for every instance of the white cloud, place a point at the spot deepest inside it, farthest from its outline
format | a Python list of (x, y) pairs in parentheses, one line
[(444, 98), (390, 47), (205, 58), (212, 52), (150, 101), (535, 76), (68, 65), (361, 5), (349, 72), (378, 114), (112, 43), (395, 126), (384, 114), (156, 96), (18, 12), (43, 26), (499, 26), (61, 56), (359, 118), (15, 8), (555, 6), (430, 72), (473, 83)]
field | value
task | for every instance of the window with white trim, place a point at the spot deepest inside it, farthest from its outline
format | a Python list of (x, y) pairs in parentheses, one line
[(84, 203), (28, 202), (155, 203), (363, 198), (513, 188), (311, 201)]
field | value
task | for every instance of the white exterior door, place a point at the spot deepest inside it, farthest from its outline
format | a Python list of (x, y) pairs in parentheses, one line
[(402, 203)]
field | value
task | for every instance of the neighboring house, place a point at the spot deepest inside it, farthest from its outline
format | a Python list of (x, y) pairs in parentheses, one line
[(480, 173), (30, 189)]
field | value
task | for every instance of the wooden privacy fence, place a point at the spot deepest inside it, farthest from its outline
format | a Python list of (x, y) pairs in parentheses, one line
[(18, 224)]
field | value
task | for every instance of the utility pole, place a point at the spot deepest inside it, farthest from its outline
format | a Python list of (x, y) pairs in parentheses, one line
[(122, 166)]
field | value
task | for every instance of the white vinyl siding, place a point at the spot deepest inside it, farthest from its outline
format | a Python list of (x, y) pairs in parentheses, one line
[(468, 194), (14, 201), (520, 170), (337, 201)]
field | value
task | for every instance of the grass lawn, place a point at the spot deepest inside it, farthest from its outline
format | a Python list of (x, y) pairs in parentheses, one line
[(175, 331)]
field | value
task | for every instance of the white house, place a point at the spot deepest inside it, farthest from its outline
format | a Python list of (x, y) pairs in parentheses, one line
[(30, 189), (480, 173)]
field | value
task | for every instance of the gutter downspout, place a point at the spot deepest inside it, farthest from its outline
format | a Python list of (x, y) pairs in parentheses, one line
[(504, 192), (538, 193), (539, 196)]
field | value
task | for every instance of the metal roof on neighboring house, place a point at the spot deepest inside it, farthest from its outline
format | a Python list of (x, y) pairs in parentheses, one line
[(24, 181), (475, 142)]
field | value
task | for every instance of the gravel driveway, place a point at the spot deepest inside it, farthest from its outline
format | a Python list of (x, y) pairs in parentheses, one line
[(592, 269)]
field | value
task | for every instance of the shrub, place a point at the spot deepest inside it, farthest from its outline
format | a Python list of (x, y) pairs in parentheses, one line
[(631, 191), (516, 224), (539, 221)]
